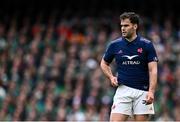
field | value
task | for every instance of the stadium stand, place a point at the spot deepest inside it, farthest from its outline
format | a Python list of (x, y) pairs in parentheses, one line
[(50, 54)]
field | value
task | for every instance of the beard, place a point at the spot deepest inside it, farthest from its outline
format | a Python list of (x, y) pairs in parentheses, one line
[(127, 35)]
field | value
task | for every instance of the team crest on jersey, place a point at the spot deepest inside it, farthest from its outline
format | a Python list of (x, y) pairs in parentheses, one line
[(139, 50)]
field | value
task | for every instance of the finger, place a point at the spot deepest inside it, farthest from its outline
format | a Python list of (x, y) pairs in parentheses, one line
[(115, 81), (114, 84), (149, 101), (149, 97)]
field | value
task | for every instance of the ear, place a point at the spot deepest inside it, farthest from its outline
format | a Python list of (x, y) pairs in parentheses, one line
[(135, 26)]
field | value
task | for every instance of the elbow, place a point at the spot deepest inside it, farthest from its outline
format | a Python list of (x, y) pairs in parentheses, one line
[(103, 64)]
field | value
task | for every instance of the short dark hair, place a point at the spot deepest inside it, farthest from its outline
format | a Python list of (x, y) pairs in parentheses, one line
[(133, 17)]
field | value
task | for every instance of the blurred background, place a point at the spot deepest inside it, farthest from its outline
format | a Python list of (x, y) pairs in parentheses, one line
[(50, 53)]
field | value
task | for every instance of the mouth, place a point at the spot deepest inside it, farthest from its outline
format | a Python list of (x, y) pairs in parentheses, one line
[(124, 33)]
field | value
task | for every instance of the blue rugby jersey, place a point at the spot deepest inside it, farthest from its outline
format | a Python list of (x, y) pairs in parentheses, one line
[(132, 60)]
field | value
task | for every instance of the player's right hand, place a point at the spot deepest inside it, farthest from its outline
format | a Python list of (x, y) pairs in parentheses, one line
[(114, 81)]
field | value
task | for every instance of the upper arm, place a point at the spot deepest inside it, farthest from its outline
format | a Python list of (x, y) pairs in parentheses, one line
[(103, 62), (109, 54), (152, 66), (152, 58)]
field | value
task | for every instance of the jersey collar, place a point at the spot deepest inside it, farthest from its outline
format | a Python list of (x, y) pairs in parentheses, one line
[(132, 42)]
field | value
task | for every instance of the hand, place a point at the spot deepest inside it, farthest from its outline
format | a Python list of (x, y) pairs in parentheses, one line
[(114, 81), (149, 97)]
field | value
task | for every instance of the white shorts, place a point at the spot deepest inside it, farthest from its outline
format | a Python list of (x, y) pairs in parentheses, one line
[(129, 101)]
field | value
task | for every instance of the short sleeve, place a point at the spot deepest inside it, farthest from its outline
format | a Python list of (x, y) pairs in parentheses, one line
[(109, 55), (151, 53)]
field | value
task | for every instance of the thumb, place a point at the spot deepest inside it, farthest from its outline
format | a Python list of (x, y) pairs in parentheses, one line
[(115, 79)]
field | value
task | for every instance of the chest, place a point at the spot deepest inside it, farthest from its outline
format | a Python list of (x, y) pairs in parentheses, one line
[(130, 54)]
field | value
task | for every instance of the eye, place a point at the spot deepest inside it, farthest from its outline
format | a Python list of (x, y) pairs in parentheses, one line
[(124, 25)]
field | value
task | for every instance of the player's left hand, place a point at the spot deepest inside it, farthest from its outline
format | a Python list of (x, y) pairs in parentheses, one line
[(149, 98)]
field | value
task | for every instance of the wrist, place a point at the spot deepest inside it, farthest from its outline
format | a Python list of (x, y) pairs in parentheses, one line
[(111, 77), (152, 91)]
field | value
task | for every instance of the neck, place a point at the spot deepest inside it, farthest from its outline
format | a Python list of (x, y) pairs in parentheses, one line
[(132, 38)]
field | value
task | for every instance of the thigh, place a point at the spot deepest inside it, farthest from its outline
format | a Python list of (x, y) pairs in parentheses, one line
[(118, 117), (122, 102), (139, 108), (143, 117)]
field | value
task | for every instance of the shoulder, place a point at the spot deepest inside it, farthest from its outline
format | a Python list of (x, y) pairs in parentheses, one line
[(118, 40), (145, 40), (147, 44)]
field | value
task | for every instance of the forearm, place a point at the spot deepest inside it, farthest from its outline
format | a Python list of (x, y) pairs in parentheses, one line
[(106, 69), (153, 82), (153, 79)]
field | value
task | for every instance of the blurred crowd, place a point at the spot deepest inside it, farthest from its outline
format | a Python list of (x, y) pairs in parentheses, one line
[(49, 68)]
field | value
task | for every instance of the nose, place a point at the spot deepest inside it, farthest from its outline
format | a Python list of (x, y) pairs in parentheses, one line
[(122, 27)]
